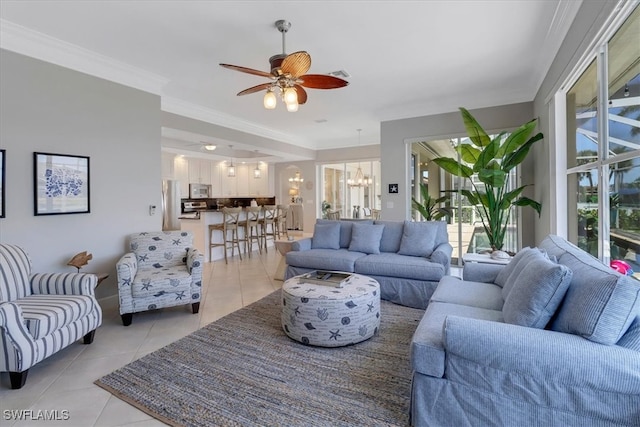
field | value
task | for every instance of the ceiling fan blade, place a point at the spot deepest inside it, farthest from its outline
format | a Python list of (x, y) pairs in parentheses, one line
[(253, 89), (302, 94), (321, 81), (296, 64), (248, 70)]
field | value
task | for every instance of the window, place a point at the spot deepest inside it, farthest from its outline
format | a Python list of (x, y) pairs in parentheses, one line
[(603, 150)]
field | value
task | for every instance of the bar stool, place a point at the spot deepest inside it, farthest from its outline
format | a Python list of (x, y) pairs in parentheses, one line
[(230, 218), (269, 219), (250, 225), (281, 223)]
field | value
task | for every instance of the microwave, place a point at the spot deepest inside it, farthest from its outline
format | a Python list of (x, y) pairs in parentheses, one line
[(199, 191)]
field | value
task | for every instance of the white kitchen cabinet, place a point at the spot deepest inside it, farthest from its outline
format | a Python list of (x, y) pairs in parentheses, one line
[(199, 171), (242, 180), (216, 185), (181, 173), (167, 165)]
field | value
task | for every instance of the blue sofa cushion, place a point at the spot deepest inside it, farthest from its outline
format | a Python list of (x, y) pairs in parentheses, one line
[(419, 238), (514, 267), (631, 338), (600, 304), (391, 235), (325, 259), (402, 266), (475, 294), (326, 236), (366, 238), (536, 292), (345, 228)]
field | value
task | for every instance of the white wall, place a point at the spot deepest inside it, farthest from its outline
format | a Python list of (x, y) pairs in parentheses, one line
[(47, 108)]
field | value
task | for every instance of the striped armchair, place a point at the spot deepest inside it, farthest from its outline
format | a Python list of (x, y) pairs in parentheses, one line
[(163, 269), (42, 313)]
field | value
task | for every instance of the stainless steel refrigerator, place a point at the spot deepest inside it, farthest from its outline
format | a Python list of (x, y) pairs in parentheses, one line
[(170, 204)]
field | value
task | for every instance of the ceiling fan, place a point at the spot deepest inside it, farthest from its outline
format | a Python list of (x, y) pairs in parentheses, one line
[(288, 76)]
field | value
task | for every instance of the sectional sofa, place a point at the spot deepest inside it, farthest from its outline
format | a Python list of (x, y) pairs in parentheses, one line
[(408, 259), (552, 339)]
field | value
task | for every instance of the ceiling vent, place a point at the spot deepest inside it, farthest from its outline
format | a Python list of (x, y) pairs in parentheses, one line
[(340, 73)]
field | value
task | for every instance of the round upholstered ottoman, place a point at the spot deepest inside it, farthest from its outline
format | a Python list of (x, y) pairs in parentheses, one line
[(331, 317)]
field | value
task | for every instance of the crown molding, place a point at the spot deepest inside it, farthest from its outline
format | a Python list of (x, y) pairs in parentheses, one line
[(198, 112), (22, 40)]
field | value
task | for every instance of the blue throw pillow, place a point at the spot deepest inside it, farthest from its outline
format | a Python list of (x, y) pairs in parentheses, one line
[(366, 238), (536, 292), (326, 236), (419, 238)]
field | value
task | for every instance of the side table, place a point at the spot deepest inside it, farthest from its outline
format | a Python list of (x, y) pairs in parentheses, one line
[(283, 246), (484, 259)]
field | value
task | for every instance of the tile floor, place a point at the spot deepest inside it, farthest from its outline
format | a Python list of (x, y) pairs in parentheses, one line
[(64, 381)]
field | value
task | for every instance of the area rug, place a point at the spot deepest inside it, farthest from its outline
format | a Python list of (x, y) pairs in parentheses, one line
[(242, 370)]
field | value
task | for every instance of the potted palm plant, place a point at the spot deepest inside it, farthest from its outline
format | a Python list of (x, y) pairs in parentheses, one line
[(491, 159), (429, 207)]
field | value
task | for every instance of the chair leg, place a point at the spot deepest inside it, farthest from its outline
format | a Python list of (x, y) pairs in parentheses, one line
[(18, 379), (195, 307), (88, 338), (126, 318)]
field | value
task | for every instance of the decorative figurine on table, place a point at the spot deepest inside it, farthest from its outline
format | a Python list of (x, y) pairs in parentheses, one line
[(80, 259)]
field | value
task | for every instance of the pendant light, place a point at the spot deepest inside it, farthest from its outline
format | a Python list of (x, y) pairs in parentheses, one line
[(231, 170)]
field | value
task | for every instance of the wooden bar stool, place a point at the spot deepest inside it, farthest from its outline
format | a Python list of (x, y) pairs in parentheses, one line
[(281, 223), (230, 217), (268, 222), (251, 226)]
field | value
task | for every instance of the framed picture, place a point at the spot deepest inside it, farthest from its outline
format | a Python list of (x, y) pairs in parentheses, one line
[(61, 184), (3, 155), (393, 188)]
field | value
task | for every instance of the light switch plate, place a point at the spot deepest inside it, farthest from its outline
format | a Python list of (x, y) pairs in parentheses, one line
[(389, 205)]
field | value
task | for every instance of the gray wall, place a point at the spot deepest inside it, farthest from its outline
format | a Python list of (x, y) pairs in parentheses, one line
[(394, 151), (47, 108)]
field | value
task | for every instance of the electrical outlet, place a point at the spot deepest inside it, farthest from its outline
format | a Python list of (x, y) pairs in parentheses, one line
[(152, 210)]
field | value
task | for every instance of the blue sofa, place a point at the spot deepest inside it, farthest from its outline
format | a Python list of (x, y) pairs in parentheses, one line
[(552, 339), (407, 258)]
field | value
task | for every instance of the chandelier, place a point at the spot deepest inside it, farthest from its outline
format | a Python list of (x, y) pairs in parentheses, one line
[(359, 180), (296, 180)]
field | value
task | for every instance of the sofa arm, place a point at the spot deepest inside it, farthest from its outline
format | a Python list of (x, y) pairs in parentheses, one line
[(16, 342), (529, 356), (126, 269), (481, 272), (303, 244), (442, 254), (195, 262), (63, 283)]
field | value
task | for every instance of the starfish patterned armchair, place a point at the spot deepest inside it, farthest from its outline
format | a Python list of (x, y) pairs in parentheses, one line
[(41, 313), (162, 269)]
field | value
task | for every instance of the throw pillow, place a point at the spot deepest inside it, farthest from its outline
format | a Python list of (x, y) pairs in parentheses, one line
[(326, 236), (366, 238), (536, 293), (391, 235), (419, 238)]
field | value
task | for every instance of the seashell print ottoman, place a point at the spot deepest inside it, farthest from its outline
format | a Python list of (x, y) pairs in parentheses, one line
[(331, 317)]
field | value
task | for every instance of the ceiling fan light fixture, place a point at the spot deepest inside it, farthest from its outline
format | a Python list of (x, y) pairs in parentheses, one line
[(292, 108), (210, 147), (290, 96), (270, 101)]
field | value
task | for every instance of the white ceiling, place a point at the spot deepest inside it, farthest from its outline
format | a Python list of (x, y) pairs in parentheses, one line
[(405, 58)]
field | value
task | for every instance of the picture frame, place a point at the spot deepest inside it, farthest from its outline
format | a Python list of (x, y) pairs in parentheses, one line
[(393, 188), (61, 184), (3, 174)]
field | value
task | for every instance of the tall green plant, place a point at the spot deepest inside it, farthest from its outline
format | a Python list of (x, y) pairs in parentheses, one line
[(492, 160), (429, 207)]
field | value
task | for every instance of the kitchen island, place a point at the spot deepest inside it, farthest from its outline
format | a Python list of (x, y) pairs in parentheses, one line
[(199, 226)]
